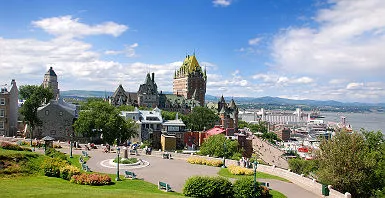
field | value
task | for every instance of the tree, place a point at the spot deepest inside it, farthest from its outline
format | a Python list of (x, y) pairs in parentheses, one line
[(35, 97), (353, 163), (200, 118), (214, 146), (103, 118)]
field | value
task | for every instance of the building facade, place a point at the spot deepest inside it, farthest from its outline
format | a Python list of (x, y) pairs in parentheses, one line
[(190, 80), (148, 93), (121, 97), (9, 109), (50, 81), (57, 118)]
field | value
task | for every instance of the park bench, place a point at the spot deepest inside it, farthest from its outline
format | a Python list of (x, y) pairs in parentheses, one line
[(265, 184), (129, 174), (85, 168), (133, 152), (85, 154), (81, 160), (164, 186), (166, 156)]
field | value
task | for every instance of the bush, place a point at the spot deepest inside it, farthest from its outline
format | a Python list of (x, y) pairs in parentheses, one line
[(237, 170), (15, 147), (236, 156), (93, 179), (126, 161), (301, 166), (198, 186), (68, 171), (203, 161), (244, 188), (52, 166), (51, 152)]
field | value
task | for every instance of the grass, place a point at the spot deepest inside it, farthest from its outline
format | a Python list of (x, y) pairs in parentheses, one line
[(276, 194), (42, 186), (224, 172)]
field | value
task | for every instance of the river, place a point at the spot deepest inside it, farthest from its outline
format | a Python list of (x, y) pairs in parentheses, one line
[(368, 121)]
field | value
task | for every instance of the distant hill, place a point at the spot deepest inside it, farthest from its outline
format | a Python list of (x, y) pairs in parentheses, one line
[(242, 100)]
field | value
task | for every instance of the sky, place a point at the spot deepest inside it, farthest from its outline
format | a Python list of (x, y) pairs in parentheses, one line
[(296, 49)]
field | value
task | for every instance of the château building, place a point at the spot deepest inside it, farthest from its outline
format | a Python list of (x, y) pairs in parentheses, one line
[(228, 113), (184, 99), (190, 80)]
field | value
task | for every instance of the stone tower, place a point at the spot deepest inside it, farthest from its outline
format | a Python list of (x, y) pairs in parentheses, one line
[(148, 92), (190, 80), (50, 81)]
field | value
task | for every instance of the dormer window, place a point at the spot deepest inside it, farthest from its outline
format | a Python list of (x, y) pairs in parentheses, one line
[(2, 101)]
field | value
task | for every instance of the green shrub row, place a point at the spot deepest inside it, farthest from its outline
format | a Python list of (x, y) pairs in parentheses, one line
[(207, 187), (51, 152)]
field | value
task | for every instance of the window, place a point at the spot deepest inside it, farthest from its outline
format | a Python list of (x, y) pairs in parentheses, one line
[(1, 124), (46, 112), (2, 113), (61, 113), (53, 132), (2, 101)]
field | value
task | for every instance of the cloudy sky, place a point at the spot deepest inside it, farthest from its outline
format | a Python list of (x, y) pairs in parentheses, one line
[(323, 50)]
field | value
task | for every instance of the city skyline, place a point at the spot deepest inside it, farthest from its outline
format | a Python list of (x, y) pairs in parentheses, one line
[(322, 50)]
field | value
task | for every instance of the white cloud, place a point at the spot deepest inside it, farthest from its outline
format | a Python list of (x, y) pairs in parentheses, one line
[(354, 85), (69, 27), (128, 51), (222, 3), (255, 41), (349, 39)]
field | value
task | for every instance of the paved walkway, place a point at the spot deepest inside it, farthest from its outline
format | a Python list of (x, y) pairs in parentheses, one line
[(269, 153), (176, 171)]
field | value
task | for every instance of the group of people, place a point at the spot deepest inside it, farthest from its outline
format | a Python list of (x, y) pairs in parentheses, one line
[(244, 162)]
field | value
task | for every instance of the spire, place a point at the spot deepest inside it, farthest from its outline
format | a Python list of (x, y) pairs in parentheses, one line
[(232, 104), (222, 98), (222, 110)]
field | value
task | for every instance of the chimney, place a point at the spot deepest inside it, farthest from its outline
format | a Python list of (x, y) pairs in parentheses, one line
[(153, 76)]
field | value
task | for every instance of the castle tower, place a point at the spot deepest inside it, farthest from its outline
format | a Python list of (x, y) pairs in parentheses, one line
[(190, 79), (50, 81), (148, 92)]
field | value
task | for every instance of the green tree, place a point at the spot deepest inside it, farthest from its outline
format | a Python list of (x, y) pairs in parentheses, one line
[(301, 166), (219, 146), (35, 97), (242, 124), (353, 163), (200, 118), (103, 118)]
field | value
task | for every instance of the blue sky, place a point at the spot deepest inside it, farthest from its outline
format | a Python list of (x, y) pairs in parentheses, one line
[(319, 50)]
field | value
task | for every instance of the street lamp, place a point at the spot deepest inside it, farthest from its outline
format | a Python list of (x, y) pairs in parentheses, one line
[(224, 153), (255, 163), (71, 145), (117, 169)]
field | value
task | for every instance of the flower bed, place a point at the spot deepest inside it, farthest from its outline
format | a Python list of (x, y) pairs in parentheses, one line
[(93, 179), (203, 161), (237, 170), (15, 147), (126, 160)]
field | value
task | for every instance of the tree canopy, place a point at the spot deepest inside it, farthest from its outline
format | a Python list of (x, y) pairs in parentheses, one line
[(103, 118), (219, 146), (35, 97), (200, 118), (353, 163)]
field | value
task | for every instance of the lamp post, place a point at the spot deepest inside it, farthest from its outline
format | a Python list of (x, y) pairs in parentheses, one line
[(71, 145), (117, 169), (255, 163), (224, 153)]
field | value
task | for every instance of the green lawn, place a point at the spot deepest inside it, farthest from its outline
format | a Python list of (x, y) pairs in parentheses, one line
[(42, 186), (224, 172), (276, 194)]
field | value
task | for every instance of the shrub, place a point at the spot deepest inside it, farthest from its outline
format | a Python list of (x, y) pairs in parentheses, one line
[(93, 179), (237, 170), (198, 186), (126, 161), (244, 188), (51, 152), (52, 166), (68, 171), (203, 161), (236, 156), (9, 146)]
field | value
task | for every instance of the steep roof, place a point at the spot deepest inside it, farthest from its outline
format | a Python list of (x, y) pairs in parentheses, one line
[(50, 72), (189, 66)]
